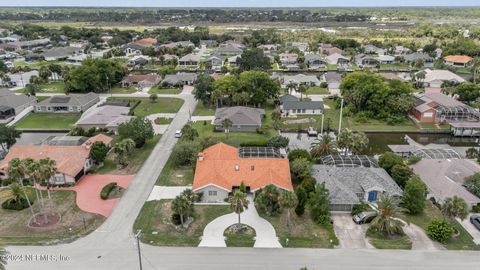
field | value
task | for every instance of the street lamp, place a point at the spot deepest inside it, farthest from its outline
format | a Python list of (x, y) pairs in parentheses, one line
[(341, 114), (137, 237)]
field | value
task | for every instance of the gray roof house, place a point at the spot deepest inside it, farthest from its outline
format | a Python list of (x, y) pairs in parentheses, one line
[(418, 56), (349, 186), (12, 104), (333, 79), (291, 106), (189, 60), (336, 59), (59, 53), (243, 118), (371, 49), (72, 103), (21, 78), (180, 78), (216, 62), (288, 58), (228, 50), (132, 48), (300, 79), (315, 61), (108, 116), (364, 60)]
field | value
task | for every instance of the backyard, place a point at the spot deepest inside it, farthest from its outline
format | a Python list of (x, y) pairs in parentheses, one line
[(157, 228), (47, 121), (202, 110), (148, 107), (117, 89), (73, 224), (317, 90)]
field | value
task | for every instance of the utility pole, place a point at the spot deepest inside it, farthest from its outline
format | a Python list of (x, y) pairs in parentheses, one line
[(340, 122), (321, 129), (137, 237), (108, 85)]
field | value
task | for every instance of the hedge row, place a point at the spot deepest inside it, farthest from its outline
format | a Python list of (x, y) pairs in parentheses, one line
[(107, 189)]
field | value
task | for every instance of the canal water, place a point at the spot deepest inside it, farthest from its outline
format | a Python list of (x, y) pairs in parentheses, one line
[(379, 141)]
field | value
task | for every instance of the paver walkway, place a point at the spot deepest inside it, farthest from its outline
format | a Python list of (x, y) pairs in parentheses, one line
[(265, 233), (166, 193)]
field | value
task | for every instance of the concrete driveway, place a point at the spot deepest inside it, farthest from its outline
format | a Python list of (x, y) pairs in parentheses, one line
[(166, 193), (350, 235), (420, 240), (471, 229)]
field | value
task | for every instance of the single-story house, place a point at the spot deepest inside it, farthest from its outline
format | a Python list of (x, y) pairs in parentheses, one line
[(208, 43), (142, 81), (364, 60), (12, 104), (138, 61), (146, 42), (315, 61), (189, 60), (243, 118), (386, 59), (328, 49), (109, 117), (72, 161), (457, 60), (371, 49), (301, 46), (400, 50), (445, 178), (25, 45), (72, 103), (291, 106), (132, 48), (20, 79), (300, 79), (419, 56), (333, 79), (438, 108), (178, 44), (288, 58), (349, 186), (215, 61), (222, 168), (337, 59), (228, 50), (233, 60), (181, 78), (268, 48), (61, 53), (436, 77)]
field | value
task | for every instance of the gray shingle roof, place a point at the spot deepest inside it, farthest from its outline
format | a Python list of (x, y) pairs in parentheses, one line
[(10, 99), (304, 105), (240, 116), (70, 100)]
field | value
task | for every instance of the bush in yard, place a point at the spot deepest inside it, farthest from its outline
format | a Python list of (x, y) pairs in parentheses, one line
[(267, 200), (298, 153), (278, 141), (440, 230), (414, 196), (184, 153), (401, 173), (189, 133), (388, 160), (15, 204), (302, 197), (318, 205), (107, 189), (358, 208), (472, 183), (139, 129), (413, 160), (99, 151), (300, 169)]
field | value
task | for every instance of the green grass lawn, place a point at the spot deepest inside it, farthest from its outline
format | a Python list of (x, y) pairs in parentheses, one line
[(157, 229), (52, 87), (434, 126), (148, 107), (117, 89), (293, 127), (431, 212), (41, 98), (202, 110), (303, 232), (136, 160), (173, 176), (14, 229), (396, 66), (47, 121), (381, 242), (163, 121), (164, 91), (317, 90), (242, 238)]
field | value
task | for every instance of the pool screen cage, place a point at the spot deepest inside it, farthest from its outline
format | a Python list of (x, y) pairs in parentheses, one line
[(457, 113), (349, 161), (427, 153)]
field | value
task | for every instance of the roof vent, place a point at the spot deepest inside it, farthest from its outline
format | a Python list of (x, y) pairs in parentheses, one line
[(252, 167), (237, 167)]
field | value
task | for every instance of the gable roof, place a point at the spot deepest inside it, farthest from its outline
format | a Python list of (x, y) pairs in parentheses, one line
[(303, 105), (441, 75), (103, 115), (70, 100), (153, 78), (464, 59), (10, 99), (240, 116), (191, 57), (222, 166)]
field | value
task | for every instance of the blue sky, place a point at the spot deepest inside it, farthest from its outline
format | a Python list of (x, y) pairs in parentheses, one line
[(240, 3)]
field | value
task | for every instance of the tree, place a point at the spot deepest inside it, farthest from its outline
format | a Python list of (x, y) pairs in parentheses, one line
[(278, 141), (44, 73), (388, 160), (182, 206), (385, 222), (455, 207), (323, 147), (440, 230), (254, 59), (8, 136), (300, 169), (318, 205), (413, 199), (139, 129), (227, 124), (467, 92), (228, 86), (47, 170), (153, 97), (123, 150), (17, 171), (401, 173), (298, 153), (288, 200), (352, 142), (302, 89), (204, 88), (238, 202), (184, 153), (472, 183), (99, 151), (15, 194), (302, 198), (189, 133), (259, 86), (267, 200), (31, 89)]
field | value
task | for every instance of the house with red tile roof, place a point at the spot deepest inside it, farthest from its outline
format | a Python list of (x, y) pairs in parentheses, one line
[(457, 60), (72, 161), (221, 168), (146, 42)]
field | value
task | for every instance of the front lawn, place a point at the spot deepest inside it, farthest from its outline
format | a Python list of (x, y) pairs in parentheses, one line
[(317, 90), (173, 176), (381, 242), (122, 90), (303, 232), (164, 91), (135, 161), (14, 229), (163, 121), (148, 107), (243, 237), (157, 228), (202, 110), (46, 121), (52, 88)]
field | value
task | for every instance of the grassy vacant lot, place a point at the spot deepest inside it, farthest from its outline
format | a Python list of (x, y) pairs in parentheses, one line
[(243, 238), (288, 125), (135, 161), (148, 107), (52, 87), (157, 229), (317, 90), (333, 114), (202, 110), (165, 91), (173, 176), (48, 121), (431, 212), (303, 232), (14, 229), (380, 242), (117, 89)]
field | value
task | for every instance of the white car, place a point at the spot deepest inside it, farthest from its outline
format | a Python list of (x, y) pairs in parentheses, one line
[(178, 134)]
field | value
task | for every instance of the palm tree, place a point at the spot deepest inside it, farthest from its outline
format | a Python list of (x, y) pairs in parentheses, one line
[(122, 149), (288, 200), (238, 202), (48, 169), (17, 172), (3, 258), (291, 86), (386, 221), (359, 143), (15, 192), (344, 140), (182, 206), (35, 172), (323, 147), (227, 124), (302, 89), (455, 207)]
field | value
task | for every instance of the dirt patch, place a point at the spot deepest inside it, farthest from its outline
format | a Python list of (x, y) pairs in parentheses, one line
[(117, 192), (300, 121), (43, 220)]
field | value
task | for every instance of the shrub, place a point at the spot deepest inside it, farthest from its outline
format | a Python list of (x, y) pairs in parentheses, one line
[(472, 183), (324, 85), (259, 143), (267, 200), (476, 208), (176, 219), (413, 199), (298, 153), (413, 160), (184, 153), (278, 141), (358, 208), (107, 189), (12, 204), (440, 230)]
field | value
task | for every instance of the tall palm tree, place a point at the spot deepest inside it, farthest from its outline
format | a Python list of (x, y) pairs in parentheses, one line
[(122, 149), (227, 124), (182, 206), (35, 172), (386, 221), (16, 172), (302, 89), (455, 207), (291, 86), (288, 200), (238, 202), (48, 169), (323, 146)]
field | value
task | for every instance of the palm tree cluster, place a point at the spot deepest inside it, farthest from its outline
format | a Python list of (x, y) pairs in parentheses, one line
[(352, 142), (323, 146), (386, 221), (122, 151), (37, 171), (182, 205)]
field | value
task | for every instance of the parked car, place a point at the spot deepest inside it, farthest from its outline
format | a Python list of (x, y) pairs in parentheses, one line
[(178, 134), (364, 217), (312, 132), (475, 220)]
